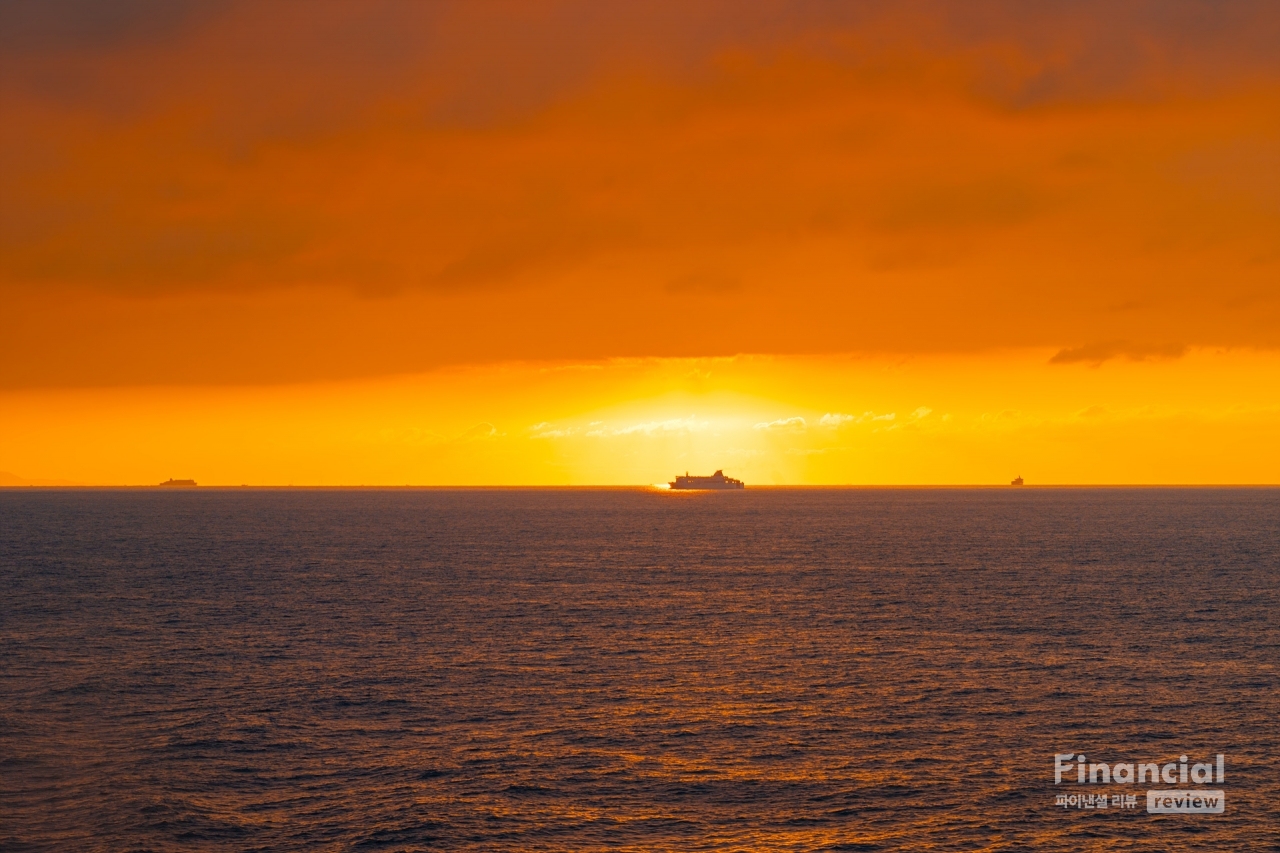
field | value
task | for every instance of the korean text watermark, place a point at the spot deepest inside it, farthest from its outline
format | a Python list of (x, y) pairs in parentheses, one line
[(1073, 768)]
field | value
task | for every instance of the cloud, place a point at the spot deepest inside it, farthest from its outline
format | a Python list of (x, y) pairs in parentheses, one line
[(544, 430), (839, 419), (1096, 354), (326, 191), (59, 25), (598, 429), (688, 424), (922, 412), (479, 431), (794, 424)]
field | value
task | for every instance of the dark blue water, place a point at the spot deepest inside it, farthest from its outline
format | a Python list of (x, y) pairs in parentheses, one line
[(634, 670)]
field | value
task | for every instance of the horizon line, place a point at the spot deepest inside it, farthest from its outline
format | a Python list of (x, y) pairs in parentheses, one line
[(634, 486)]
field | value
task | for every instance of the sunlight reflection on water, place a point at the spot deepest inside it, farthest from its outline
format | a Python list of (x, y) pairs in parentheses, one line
[(578, 669)]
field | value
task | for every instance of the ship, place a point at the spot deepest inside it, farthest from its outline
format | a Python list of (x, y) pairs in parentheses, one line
[(1016, 481), (716, 481), (173, 482)]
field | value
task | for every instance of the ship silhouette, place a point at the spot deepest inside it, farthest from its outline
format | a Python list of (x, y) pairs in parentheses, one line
[(1016, 481), (716, 481), (173, 482)]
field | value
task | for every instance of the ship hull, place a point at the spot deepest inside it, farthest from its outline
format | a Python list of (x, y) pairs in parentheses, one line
[(708, 487)]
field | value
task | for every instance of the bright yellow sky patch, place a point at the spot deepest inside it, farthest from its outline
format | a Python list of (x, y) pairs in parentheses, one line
[(1208, 417)]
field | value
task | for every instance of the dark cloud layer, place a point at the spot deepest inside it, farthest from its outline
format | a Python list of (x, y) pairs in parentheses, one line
[(34, 27), (809, 176), (1097, 353)]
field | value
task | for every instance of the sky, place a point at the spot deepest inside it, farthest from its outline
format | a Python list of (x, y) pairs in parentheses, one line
[(582, 243)]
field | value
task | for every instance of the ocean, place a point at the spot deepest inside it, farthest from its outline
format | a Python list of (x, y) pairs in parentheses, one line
[(631, 669)]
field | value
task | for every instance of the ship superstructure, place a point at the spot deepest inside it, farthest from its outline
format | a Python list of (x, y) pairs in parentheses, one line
[(716, 481)]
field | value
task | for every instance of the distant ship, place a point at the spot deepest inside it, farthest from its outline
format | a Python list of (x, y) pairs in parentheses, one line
[(1016, 481), (716, 481), (172, 482)]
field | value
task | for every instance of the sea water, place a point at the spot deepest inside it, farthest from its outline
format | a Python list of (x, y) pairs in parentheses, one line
[(531, 670)]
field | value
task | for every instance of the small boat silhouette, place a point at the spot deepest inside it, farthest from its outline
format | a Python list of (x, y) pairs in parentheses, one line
[(1016, 481)]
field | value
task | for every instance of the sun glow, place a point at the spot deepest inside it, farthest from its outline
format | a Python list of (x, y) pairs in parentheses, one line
[(1202, 418)]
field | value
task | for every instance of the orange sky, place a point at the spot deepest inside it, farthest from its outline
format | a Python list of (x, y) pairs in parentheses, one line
[(239, 241)]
